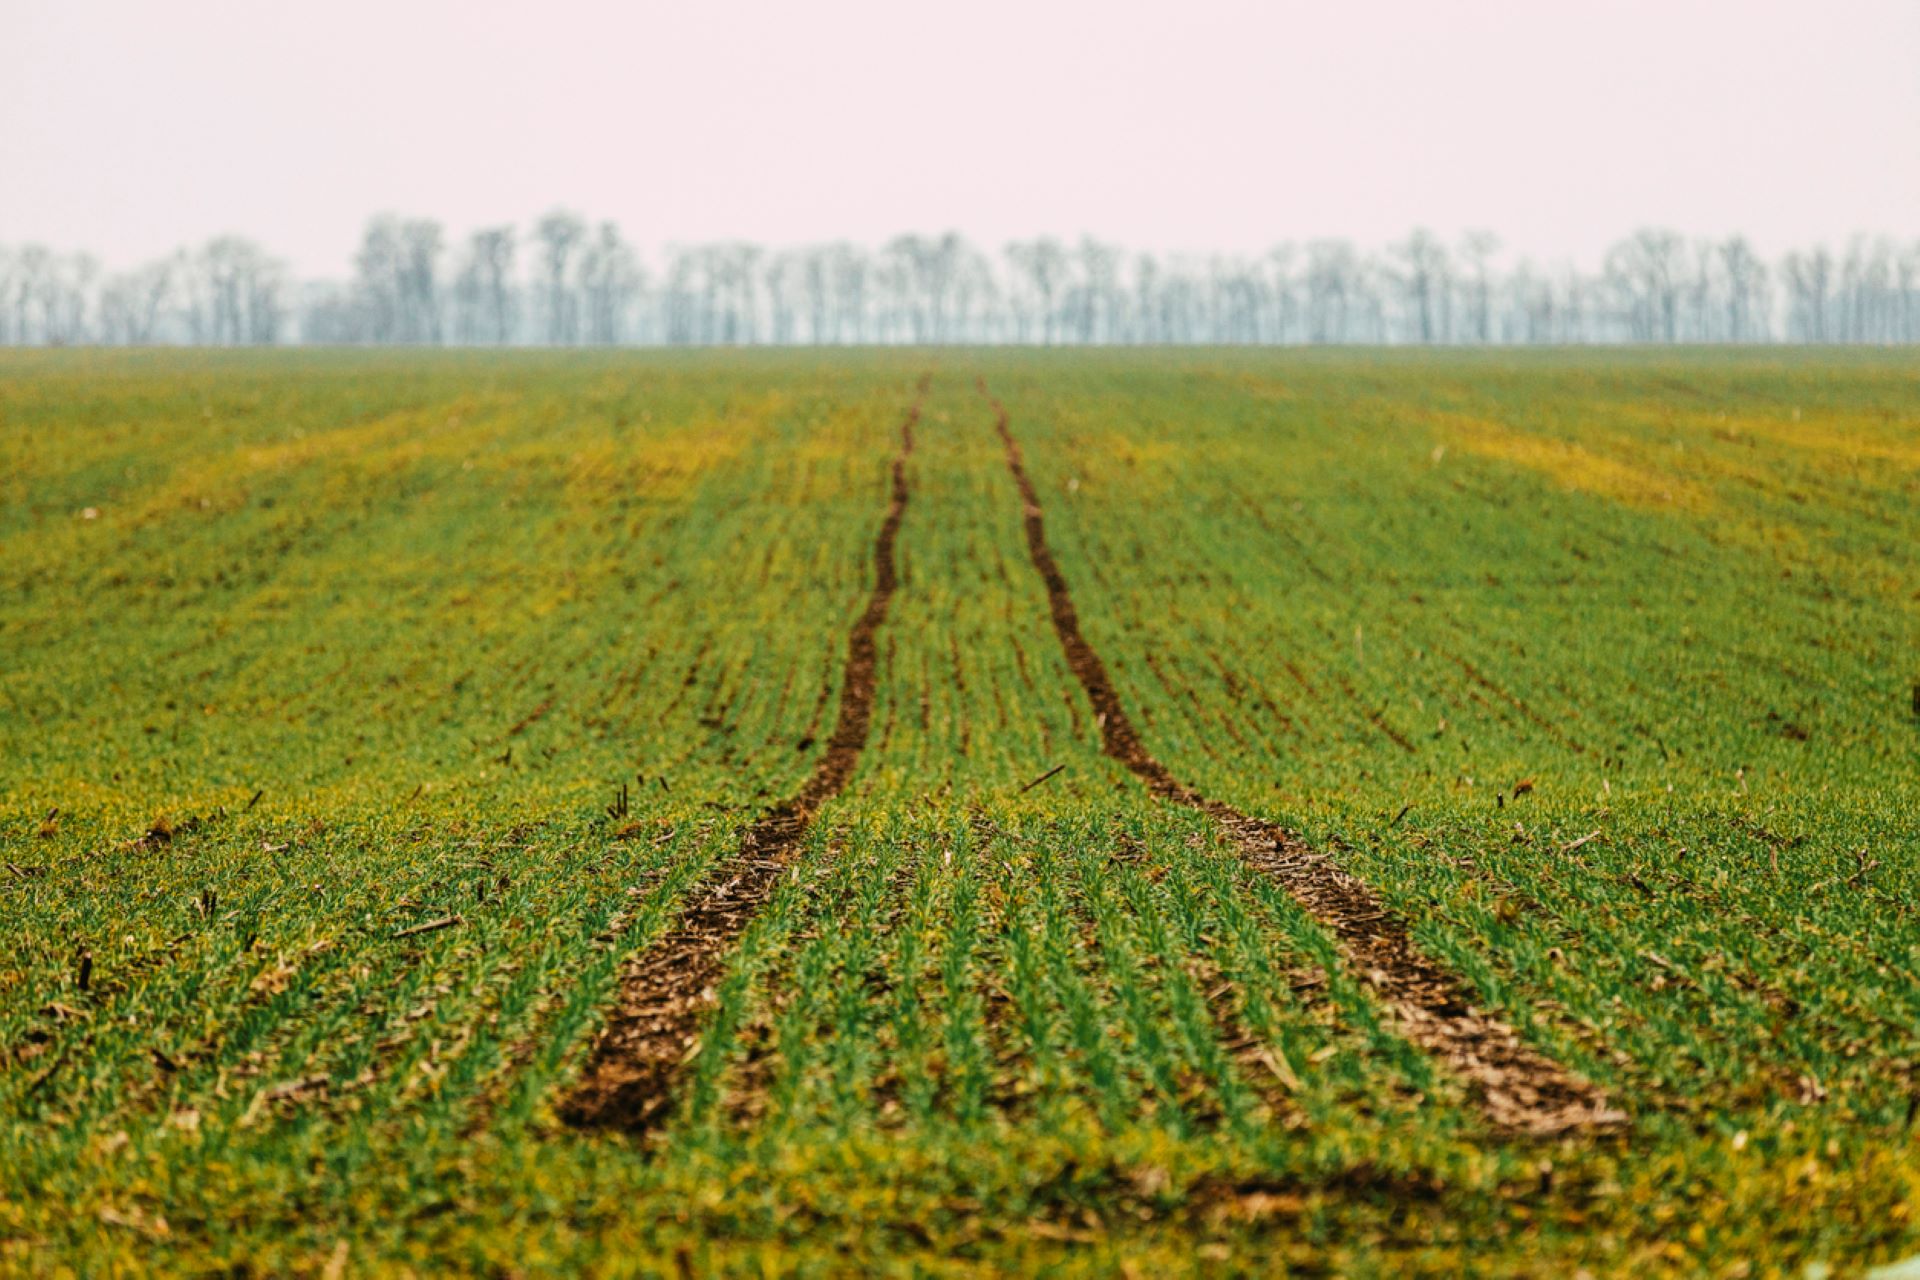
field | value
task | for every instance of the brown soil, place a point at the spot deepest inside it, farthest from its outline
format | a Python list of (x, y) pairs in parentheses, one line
[(1518, 1089), (632, 1078)]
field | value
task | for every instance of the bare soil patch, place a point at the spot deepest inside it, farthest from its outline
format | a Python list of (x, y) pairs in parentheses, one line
[(639, 1059), (1518, 1089)]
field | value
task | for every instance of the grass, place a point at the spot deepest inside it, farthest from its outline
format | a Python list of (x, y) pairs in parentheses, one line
[(1598, 668)]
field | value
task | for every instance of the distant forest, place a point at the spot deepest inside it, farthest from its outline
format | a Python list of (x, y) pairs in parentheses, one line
[(567, 282)]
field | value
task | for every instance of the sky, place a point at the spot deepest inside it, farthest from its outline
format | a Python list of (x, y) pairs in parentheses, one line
[(130, 127)]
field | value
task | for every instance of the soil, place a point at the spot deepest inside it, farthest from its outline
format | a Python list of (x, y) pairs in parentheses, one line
[(1518, 1089), (632, 1078)]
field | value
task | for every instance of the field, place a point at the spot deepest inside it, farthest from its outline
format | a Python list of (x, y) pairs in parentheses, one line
[(957, 812)]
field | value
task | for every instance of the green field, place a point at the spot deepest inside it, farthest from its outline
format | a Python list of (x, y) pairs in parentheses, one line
[(436, 834)]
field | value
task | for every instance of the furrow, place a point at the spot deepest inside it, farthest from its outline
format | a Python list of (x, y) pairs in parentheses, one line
[(638, 1061), (1518, 1089)]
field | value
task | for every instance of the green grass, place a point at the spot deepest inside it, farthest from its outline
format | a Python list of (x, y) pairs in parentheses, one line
[(356, 642)]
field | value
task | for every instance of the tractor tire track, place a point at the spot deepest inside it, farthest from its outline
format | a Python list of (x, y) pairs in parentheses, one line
[(638, 1061), (1518, 1089)]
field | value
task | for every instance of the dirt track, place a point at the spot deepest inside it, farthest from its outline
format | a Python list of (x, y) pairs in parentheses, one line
[(1518, 1089), (632, 1078)]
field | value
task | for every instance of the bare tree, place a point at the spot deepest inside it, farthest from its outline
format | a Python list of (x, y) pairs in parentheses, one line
[(903, 310), (1744, 278), (1097, 296), (1868, 302), (785, 279), (850, 288), (585, 284), (421, 242), (378, 267), (1907, 272), (976, 296), (1283, 300), (1647, 270), (1333, 280), (560, 234), (1422, 277), (610, 280), (49, 296), (1809, 279), (1476, 250), (483, 288), (7, 335), (131, 302), (1043, 264)]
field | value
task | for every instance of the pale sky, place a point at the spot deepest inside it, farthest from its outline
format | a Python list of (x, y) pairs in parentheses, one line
[(128, 127)]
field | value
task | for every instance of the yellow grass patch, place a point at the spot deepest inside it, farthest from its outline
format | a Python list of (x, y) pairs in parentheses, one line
[(385, 443), (658, 463), (1831, 439), (1620, 477)]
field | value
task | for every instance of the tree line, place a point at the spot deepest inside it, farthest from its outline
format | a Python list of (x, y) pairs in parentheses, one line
[(565, 281)]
